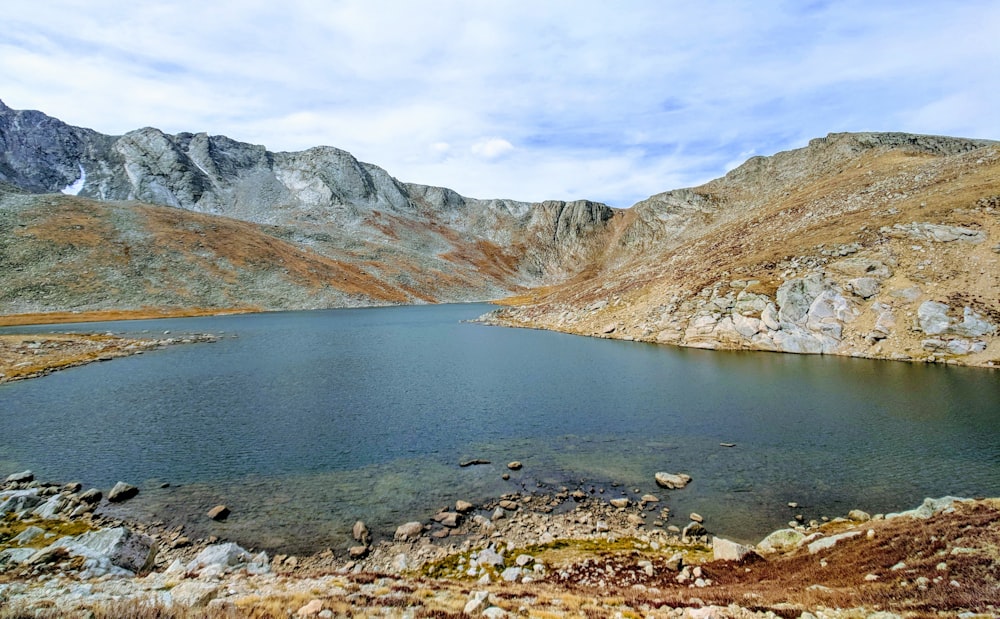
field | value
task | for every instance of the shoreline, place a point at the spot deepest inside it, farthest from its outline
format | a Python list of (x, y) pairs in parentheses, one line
[(566, 553)]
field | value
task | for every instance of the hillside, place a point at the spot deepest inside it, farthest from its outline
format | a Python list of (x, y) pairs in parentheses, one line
[(881, 245), (873, 245), (247, 227)]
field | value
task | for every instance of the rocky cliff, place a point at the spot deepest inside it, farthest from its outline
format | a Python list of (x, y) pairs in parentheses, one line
[(404, 242), (877, 245)]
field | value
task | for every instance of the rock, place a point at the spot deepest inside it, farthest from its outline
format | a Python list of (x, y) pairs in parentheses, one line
[(523, 560), (358, 552), (310, 609), (859, 516), (510, 506), (672, 481), (408, 532), (219, 512), (929, 507), (495, 612), (609, 328), (20, 478), (360, 532), (511, 574), (622, 502), (675, 562), (463, 507), (72, 487), (780, 540), (91, 497), (696, 517), (514, 466), (15, 501), (473, 462), (119, 546), (448, 519), (194, 594), (933, 317), (220, 556), (649, 498), (824, 543), (27, 536), (122, 492), (795, 296), (489, 557), (51, 508), (478, 601), (693, 529), (726, 550), (864, 287)]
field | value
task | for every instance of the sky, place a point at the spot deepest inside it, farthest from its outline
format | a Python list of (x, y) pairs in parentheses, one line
[(530, 100)]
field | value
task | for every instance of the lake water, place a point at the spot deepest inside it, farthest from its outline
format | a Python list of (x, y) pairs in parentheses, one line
[(302, 422)]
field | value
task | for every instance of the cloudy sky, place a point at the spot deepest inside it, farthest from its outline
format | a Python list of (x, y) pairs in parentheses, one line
[(526, 99)]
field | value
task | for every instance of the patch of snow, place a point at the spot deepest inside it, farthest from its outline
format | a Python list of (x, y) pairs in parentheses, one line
[(74, 188)]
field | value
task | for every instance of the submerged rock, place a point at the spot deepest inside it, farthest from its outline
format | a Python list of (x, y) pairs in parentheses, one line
[(673, 481)]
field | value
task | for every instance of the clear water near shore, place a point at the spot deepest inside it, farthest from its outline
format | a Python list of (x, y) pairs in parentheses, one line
[(302, 422)]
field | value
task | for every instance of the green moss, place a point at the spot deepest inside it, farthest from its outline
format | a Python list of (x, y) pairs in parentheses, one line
[(11, 527)]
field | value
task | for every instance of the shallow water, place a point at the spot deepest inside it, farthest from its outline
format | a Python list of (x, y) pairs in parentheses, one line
[(302, 422)]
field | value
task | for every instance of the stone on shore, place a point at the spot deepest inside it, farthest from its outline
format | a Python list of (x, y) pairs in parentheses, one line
[(672, 481), (696, 517), (824, 543), (220, 557), (108, 548), (360, 532), (409, 531), (463, 507), (780, 540), (20, 478), (219, 512), (727, 550), (15, 501), (622, 502), (91, 497), (357, 552), (515, 465), (122, 492)]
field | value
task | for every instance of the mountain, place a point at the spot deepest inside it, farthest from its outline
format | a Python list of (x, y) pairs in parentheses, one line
[(320, 210), (880, 245)]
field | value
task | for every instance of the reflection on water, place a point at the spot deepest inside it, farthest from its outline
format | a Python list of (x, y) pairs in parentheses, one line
[(309, 420)]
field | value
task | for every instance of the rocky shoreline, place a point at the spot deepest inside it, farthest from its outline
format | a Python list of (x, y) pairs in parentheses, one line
[(566, 554), (24, 356)]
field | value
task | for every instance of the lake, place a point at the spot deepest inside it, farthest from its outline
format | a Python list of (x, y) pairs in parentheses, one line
[(302, 422)]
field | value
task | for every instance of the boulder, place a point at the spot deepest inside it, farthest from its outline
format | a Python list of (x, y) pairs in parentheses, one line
[(120, 546), (360, 532), (122, 492), (463, 507), (696, 517), (673, 481), (824, 543), (726, 550), (693, 529), (408, 531), (357, 552), (621, 502), (15, 501), (219, 512), (220, 556), (864, 287), (20, 478), (489, 557), (91, 497), (780, 541), (194, 594), (478, 602), (511, 574), (448, 519), (795, 296), (859, 516), (515, 465)]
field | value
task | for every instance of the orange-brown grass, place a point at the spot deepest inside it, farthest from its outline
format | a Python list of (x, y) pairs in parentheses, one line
[(144, 313)]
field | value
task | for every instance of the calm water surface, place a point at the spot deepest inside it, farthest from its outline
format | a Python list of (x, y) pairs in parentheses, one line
[(302, 422)]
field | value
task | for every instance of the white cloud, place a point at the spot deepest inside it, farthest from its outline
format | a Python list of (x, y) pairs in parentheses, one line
[(491, 148), (603, 100)]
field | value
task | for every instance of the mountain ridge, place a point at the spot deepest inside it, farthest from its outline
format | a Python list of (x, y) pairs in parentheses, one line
[(876, 244)]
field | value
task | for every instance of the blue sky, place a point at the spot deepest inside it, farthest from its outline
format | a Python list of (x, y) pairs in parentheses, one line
[(533, 100)]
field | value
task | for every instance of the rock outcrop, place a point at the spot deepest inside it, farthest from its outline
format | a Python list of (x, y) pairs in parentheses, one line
[(871, 245)]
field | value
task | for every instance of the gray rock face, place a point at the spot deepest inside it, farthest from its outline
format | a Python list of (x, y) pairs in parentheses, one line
[(119, 547)]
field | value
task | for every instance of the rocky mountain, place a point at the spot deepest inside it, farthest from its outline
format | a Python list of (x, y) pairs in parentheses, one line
[(870, 244), (880, 245), (404, 243)]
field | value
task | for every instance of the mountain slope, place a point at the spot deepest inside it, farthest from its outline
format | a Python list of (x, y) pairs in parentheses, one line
[(875, 245), (426, 244)]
